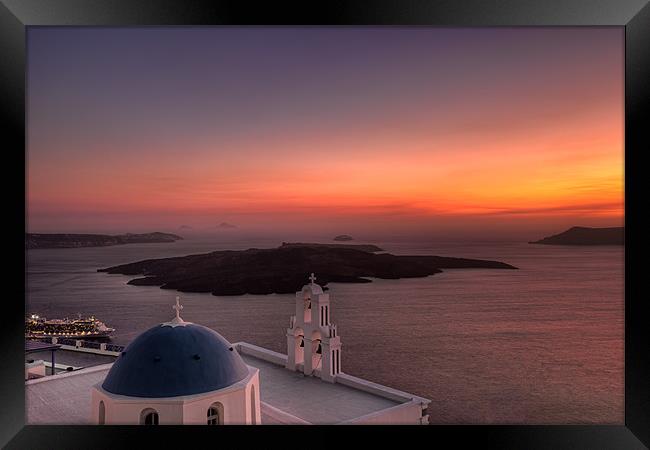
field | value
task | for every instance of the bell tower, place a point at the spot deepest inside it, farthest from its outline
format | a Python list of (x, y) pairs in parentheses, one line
[(313, 344)]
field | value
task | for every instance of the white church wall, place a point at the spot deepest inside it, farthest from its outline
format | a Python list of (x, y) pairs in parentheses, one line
[(128, 412), (233, 404), (254, 408), (261, 353), (378, 389), (405, 414), (190, 409), (281, 416)]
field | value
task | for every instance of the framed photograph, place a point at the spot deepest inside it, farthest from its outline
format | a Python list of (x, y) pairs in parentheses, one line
[(371, 214)]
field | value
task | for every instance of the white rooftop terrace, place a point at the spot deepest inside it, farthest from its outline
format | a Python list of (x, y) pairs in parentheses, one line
[(310, 398), (62, 399), (287, 397)]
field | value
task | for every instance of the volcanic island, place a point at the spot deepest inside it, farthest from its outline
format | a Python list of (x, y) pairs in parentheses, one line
[(282, 270)]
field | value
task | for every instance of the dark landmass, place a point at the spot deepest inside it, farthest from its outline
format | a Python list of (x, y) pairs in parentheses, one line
[(37, 240), (285, 269), (586, 236), (343, 237), (226, 225), (363, 247)]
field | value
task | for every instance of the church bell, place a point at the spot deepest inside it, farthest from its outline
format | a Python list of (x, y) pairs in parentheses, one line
[(302, 342)]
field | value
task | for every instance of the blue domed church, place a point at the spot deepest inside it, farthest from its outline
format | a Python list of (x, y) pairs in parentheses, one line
[(178, 373)]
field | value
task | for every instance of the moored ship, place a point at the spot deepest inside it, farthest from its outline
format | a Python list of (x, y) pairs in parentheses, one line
[(83, 328)]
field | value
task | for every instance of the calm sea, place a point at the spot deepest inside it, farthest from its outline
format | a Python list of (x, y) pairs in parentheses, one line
[(542, 344)]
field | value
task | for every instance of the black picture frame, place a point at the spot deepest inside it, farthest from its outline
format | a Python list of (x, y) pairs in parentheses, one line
[(634, 15)]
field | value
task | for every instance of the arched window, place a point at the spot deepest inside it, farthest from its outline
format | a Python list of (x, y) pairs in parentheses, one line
[(102, 413), (149, 417), (215, 414)]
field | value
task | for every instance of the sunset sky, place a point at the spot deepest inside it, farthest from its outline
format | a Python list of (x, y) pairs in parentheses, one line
[(472, 133)]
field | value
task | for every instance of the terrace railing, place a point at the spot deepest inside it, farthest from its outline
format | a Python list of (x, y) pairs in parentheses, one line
[(74, 344)]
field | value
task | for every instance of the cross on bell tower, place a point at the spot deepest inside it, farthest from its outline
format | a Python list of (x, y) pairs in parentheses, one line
[(312, 278)]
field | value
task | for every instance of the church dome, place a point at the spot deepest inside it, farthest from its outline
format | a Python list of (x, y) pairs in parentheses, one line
[(175, 358)]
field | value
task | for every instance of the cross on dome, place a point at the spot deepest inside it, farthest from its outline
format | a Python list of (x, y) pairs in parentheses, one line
[(178, 320), (312, 278), (178, 308)]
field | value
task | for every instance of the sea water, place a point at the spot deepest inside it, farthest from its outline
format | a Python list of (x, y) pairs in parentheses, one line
[(543, 344)]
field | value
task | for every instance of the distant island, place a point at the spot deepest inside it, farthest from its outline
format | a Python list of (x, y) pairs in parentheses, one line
[(284, 269), (226, 225), (586, 236), (343, 237), (39, 240)]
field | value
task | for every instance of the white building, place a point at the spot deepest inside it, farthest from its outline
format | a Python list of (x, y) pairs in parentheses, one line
[(183, 373), (178, 373)]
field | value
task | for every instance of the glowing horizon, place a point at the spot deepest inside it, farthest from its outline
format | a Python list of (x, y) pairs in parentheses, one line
[(476, 132)]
